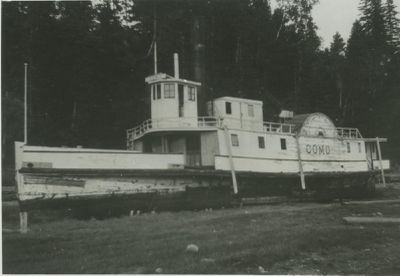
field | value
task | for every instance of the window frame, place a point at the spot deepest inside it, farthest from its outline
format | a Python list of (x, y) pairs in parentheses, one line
[(228, 104), (261, 142), (283, 144), (191, 93), (168, 93), (158, 91), (348, 147), (234, 140), (250, 110)]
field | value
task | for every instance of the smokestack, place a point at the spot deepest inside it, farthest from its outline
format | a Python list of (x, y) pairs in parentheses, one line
[(176, 66)]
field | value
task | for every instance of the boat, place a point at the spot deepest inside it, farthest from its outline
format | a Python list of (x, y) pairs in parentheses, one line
[(186, 158)]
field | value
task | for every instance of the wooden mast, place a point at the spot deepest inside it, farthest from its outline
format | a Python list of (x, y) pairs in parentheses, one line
[(155, 41), (26, 103)]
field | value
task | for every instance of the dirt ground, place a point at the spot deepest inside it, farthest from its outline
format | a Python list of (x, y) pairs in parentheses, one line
[(288, 238)]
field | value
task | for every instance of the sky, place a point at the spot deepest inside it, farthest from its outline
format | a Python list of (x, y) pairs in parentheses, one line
[(333, 16)]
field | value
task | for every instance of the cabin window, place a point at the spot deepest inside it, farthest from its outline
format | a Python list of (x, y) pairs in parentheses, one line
[(158, 90), (235, 140), (348, 147), (192, 93), (169, 90), (261, 142), (228, 108), (283, 144), (359, 147), (250, 110)]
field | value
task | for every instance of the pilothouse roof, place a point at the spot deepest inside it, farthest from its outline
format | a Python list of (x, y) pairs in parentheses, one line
[(162, 77)]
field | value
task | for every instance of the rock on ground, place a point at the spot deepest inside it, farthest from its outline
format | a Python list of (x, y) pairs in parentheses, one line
[(192, 248)]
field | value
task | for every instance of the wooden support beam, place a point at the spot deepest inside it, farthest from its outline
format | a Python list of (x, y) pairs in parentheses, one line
[(23, 222), (374, 139), (231, 164), (380, 161), (388, 201), (302, 178), (370, 220)]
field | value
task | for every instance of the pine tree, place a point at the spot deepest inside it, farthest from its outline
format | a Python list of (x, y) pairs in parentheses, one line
[(370, 59), (338, 46), (392, 24), (305, 45), (337, 55), (356, 76)]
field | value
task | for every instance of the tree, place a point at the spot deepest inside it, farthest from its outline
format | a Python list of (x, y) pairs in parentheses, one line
[(306, 44), (392, 24), (337, 47), (337, 53)]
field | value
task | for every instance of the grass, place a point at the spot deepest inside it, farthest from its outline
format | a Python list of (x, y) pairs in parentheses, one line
[(279, 239)]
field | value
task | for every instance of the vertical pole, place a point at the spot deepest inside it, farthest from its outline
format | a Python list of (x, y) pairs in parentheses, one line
[(23, 222), (380, 161), (228, 146), (155, 41), (26, 104), (302, 179), (241, 115), (176, 66)]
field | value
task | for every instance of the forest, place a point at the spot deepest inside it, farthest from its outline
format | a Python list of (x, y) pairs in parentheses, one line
[(87, 62)]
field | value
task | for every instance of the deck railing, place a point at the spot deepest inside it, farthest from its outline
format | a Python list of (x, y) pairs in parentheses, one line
[(278, 127), (348, 133), (213, 122), (337, 132), (172, 123)]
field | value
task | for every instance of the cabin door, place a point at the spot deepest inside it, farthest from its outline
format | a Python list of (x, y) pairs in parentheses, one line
[(193, 151), (370, 151)]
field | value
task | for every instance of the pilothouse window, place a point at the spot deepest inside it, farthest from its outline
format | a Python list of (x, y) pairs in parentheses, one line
[(169, 90), (158, 89), (192, 94)]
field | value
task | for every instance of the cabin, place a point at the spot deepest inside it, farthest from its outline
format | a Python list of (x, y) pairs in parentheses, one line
[(237, 113)]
